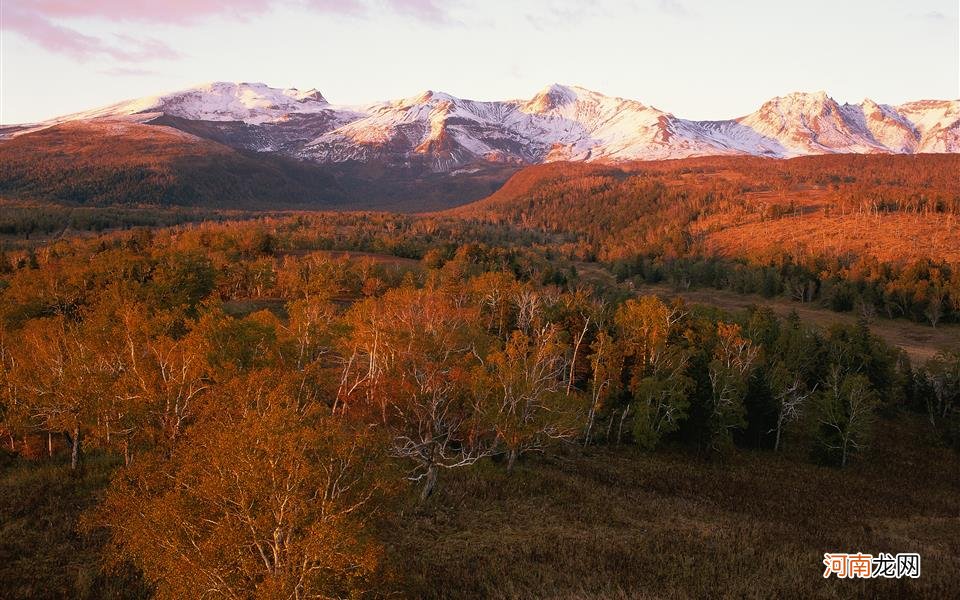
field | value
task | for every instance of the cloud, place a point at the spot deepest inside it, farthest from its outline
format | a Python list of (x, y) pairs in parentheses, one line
[(42, 21), (934, 16), (128, 72), (424, 10), (153, 11), (58, 38), (570, 13), (673, 7), (146, 49)]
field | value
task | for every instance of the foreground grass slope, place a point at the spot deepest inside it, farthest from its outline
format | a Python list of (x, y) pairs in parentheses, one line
[(623, 524), (602, 523), (43, 553)]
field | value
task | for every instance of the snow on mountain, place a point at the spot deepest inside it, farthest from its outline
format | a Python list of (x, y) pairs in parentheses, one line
[(558, 123), (434, 126), (810, 124), (936, 121), (251, 103), (444, 133), (579, 124)]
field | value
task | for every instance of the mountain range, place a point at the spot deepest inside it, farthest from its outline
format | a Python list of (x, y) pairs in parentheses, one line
[(434, 134)]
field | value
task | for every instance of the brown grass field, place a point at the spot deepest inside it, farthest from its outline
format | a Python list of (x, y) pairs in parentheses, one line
[(619, 523)]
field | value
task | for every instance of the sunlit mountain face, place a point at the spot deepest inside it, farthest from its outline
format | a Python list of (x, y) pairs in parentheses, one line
[(441, 133)]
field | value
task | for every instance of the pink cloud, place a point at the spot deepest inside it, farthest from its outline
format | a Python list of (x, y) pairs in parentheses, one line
[(171, 11), (39, 20), (51, 36), (188, 11), (57, 38)]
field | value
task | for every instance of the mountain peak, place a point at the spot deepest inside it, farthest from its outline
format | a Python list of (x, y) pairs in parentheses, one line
[(795, 104), (311, 95), (424, 97), (250, 90), (554, 96), (804, 98)]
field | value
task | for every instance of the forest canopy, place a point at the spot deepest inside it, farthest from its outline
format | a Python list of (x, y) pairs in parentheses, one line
[(272, 388)]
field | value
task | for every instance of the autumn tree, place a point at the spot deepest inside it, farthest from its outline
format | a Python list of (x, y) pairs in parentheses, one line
[(408, 365), (311, 330), (15, 415), (733, 359), (658, 383), (494, 294), (65, 372), (263, 498), (528, 403), (166, 376), (606, 373)]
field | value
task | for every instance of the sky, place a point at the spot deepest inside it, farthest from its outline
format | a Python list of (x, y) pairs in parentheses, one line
[(695, 58)]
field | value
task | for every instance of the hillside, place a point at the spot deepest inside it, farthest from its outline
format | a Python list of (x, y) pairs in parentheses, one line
[(892, 208), (121, 162), (247, 145), (874, 234)]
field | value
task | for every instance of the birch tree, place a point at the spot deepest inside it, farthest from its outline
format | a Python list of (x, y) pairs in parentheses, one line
[(529, 404), (264, 499), (733, 359), (408, 369), (846, 412)]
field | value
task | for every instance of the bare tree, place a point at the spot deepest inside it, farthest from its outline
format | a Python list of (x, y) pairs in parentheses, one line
[(790, 396), (530, 404)]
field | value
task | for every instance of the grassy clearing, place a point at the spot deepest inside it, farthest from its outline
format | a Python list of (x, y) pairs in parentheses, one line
[(623, 524), (919, 341), (42, 553)]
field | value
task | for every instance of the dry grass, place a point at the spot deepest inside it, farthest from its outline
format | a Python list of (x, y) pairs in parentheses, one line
[(622, 524), (42, 553), (600, 523)]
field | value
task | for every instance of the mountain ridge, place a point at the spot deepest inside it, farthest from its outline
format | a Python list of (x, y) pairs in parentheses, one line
[(442, 133)]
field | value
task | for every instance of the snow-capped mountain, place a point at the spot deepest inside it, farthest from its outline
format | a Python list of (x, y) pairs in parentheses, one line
[(251, 103), (442, 133)]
